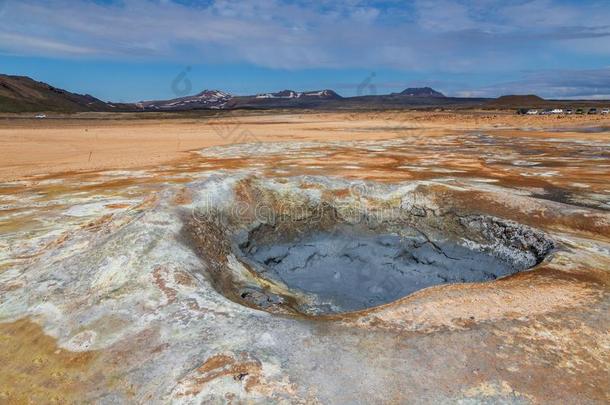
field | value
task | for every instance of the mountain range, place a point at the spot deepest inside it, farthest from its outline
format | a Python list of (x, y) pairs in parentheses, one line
[(23, 94)]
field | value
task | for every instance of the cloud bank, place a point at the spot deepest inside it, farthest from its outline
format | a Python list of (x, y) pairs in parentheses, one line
[(453, 37)]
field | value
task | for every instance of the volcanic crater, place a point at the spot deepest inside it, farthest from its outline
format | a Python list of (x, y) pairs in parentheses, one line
[(289, 250)]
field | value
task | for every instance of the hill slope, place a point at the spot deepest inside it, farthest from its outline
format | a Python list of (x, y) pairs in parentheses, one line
[(516, 100), (22, 94)]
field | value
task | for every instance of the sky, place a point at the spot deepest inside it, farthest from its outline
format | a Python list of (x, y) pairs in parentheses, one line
[(132, 50)]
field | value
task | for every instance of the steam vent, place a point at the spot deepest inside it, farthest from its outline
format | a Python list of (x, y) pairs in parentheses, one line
[(345, 258)]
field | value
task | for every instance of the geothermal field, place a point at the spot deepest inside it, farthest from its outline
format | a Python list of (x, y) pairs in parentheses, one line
[(305, 257)]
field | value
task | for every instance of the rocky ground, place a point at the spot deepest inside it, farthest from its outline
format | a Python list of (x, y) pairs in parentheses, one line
[(162, 281)]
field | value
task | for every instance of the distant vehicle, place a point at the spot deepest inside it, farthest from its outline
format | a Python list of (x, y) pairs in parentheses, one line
[(522, 111), (580, 111), (592, 111), (606, 111), (569, 111), (532, 112), (557, 111), (546, 112), (40, 116)]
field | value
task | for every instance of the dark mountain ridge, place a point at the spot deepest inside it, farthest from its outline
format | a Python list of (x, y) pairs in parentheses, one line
[(23, 94), (421, 92)]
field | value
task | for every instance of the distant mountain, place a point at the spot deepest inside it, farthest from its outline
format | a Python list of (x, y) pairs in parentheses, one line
[(22, 94), (210, 99), (515, 100), (421, 92), (322, 94), (286, 99), (215, 99), (290, 94), (280, 94)]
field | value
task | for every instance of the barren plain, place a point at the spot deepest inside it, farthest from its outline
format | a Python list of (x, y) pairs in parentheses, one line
[(312, 257)]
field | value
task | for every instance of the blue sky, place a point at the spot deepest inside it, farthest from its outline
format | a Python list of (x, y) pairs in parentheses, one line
[(131, 50)]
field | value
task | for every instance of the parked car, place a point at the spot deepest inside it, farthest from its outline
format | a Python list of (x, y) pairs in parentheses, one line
[(606, 111), (592, 111), (580, 111), (546, 112), (569, 111), (557, 111), (522, 111), (41, 116), (532, 112)]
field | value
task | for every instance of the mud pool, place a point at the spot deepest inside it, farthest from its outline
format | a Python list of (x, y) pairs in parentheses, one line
[(351, 271), (305, 253)]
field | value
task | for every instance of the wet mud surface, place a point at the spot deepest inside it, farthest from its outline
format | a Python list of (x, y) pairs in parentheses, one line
[(351, 271)]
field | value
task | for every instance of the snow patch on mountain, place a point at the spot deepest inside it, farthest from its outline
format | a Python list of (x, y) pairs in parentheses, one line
[(214, 99)]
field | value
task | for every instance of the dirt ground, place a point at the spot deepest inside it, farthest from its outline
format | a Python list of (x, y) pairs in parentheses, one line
[(104, 299), (101, 141)]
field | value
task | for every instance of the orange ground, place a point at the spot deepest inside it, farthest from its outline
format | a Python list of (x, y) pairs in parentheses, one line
[(100, 142)]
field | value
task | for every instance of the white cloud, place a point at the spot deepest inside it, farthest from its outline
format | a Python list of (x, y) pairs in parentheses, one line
[(16, 42), (560, 84), (439, 35)]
